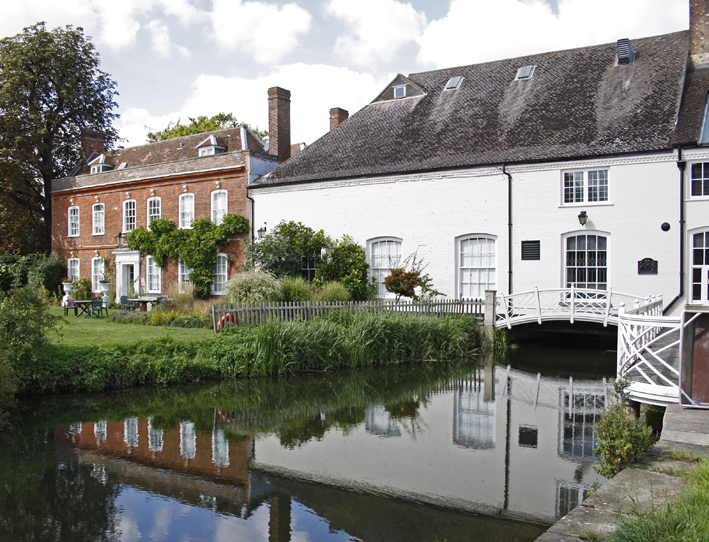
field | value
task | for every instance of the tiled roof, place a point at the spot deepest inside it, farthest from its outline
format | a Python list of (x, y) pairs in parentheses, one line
[(577, 104), (693, 105), (179, 148)]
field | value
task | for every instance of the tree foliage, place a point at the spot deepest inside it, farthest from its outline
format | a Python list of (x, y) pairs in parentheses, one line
[(281, 252), (412, 283), (347, 264), (201, 124), (197, 247), (51, 88)]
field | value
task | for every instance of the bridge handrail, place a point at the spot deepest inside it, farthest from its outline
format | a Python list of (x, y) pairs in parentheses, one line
[(561, 303)]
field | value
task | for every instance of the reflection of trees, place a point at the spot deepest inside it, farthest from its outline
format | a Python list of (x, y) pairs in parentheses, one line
[(47, 495), (296, 432)]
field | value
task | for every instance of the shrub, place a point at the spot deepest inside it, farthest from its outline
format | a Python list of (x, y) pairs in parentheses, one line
[(46, 272), (347, 263), (622, 438), (191, 321), (252, 287), (295, 289), (81, 288), (334, 291), (181, 294)]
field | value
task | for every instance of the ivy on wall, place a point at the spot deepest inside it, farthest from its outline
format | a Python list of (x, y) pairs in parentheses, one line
[(197, 247)]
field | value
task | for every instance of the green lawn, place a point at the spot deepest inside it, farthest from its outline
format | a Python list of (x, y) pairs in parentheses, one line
[(93, 331)]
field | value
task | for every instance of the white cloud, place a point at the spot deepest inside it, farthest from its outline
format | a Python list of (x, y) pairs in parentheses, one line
[(119, 25), (14, 16), (314, 90), (377, 29), (478, 30), (183, 10), (160, 40), (266, 31)]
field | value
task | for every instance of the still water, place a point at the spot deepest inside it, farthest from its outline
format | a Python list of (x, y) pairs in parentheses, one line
[(417, 452)]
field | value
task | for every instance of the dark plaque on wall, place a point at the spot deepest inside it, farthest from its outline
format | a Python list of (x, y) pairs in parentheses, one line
[(647, 266)]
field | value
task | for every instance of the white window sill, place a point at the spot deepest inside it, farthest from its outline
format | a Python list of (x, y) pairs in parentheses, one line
[(697, 198), (591, 204), (98, 234)]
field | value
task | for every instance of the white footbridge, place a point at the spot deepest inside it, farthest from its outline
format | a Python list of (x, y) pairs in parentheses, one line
[(649, 351)]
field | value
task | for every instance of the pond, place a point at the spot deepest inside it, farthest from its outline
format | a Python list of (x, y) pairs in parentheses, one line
[(442, 451)]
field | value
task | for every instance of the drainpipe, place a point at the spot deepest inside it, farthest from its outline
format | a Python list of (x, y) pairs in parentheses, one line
[(681, 165), (509, 228), (253, 211)]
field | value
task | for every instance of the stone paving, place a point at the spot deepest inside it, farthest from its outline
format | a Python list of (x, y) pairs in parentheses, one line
[(651, 482)]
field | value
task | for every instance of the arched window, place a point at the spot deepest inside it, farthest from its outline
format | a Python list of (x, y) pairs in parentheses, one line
[(153, 275), (97, 268), (477, 266), (219, 275), (586, 263), (699, 289), (72, 265), (384, 255)]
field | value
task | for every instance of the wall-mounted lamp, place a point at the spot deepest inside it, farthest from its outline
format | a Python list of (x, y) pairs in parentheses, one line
[(583, 217), (121, 239), (261, 231), (97, 200)]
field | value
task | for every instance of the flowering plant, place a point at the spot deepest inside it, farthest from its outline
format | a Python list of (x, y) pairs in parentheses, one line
[(66, 279)]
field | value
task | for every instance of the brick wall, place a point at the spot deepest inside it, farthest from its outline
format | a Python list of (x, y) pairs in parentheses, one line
[(337, 117), (699, 31), (87, 245), (279, 123)]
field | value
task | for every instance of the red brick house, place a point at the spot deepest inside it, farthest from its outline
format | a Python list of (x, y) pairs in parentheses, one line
[(114, 192)]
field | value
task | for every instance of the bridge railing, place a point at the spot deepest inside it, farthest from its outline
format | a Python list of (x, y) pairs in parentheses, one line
[(572, 303)]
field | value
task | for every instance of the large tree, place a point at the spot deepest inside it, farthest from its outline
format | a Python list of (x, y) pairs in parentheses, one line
[(51, 88), (202, 124)]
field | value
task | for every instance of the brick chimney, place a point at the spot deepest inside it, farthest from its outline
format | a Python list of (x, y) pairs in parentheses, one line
[(699, 31), (279, 123), (92, 142), (337, 117)]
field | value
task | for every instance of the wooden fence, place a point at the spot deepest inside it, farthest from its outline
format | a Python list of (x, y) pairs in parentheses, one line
[(228, 314)]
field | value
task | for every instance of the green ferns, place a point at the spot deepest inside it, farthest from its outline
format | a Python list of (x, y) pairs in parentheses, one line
[(197, 247)]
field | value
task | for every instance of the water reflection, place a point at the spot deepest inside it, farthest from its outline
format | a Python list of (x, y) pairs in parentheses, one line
[(238, 459)]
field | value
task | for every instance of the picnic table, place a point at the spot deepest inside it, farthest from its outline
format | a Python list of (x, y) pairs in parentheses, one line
[(83, 307), (143, 301)]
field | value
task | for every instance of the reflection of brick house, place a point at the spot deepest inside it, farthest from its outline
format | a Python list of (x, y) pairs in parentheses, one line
[(204, 175), (181, 449)]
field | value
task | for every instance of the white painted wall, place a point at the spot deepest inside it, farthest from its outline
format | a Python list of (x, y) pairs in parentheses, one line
[(429, 211)]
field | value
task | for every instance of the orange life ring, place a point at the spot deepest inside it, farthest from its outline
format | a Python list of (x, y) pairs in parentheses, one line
[(231, 317)]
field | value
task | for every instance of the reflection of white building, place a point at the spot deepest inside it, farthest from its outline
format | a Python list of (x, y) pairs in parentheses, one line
[(504, 455), (378, 421), (473, 417), (155, 437), (100, 431)]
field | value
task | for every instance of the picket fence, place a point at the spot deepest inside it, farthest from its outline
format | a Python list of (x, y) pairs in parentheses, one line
[(228, 314)]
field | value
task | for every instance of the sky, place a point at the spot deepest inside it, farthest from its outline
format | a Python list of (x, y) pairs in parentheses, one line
[(174, 59)]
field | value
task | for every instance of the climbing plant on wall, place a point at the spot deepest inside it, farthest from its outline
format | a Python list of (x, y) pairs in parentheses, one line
[(197, 247)]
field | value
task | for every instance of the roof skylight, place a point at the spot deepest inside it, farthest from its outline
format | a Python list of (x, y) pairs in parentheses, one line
[(525, 72), (453, 83)]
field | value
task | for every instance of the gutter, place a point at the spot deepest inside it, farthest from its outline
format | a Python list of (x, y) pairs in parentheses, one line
[(681, 165), (509, 229)]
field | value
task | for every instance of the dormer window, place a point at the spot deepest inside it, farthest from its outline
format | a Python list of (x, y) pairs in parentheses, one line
[(99, 165), (210, 147), (400, 91)]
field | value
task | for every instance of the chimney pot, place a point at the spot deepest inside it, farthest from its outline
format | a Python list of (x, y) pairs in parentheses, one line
[(337, 117), (92, 142), (279, 123)]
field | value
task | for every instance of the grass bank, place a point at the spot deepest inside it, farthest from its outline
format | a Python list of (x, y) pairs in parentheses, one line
[(684, 519), (106, 359)]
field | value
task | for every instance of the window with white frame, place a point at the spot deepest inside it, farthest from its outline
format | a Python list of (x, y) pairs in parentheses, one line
[(219, 206), (129, 222), (585, 186), (477, 266), (219, 275), (154, 209), (183, 274), (73, 214), (186, 211), (699, 186), (384, 255), (97, 268), (700, 268), (586, 262), (72, 266), (99, 218), (153, 275)]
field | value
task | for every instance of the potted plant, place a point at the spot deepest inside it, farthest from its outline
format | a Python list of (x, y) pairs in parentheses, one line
[(103, 285), (66, 284)]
